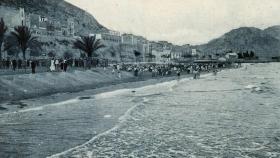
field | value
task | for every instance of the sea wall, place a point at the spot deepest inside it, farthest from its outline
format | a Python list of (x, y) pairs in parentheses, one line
[(14, 87)]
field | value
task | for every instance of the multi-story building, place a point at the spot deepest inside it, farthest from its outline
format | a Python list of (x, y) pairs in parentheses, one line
[(39, 25), (131, 43), (13, 17), (71, 26), (109, 38)]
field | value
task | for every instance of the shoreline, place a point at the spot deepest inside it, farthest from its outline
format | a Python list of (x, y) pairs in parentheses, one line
[(48, 119), (56, 112), (27, 102)]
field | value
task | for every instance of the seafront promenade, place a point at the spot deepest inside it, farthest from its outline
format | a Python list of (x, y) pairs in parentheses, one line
[(22, 84)]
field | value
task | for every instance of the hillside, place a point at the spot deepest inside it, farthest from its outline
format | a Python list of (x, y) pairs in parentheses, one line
[(60, 10), (273, 31), (245, 38)]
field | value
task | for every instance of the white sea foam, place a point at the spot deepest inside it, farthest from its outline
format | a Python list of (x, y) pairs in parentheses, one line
[(127, 115), (107, 116), (121, 120), (111, 94), (250, 86)]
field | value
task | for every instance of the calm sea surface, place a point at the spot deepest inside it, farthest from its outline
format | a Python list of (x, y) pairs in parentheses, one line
[(234, 114)]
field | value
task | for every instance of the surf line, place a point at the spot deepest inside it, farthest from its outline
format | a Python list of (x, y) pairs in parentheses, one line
[(222, 90), (39, 108), (122, 119)]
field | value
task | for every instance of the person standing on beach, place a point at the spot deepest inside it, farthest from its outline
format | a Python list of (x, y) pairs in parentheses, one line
[(196, 73), (19, 64), (136, 72), (119, 71), (65, 65), (61, 64), (52, 67), (14, 64), (56, 64), (119, 74), (7, 63), (113, 70), (33, 66), (178, 73), (215, 71)]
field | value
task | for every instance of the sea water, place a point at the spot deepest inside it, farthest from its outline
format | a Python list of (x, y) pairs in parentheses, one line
[(233, 114)]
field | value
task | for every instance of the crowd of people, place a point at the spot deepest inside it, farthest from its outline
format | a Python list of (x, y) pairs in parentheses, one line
[(17, 64), (139, 70), (155, 70), (50, 64)]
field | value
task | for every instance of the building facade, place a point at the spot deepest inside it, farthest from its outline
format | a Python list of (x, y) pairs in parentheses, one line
[(38, 24)]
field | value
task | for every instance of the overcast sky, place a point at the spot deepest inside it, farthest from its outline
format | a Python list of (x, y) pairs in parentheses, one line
[(182, 21)]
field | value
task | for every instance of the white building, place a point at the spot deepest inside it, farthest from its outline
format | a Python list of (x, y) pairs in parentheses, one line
[(71, 26), (194, 52), (109, 38)]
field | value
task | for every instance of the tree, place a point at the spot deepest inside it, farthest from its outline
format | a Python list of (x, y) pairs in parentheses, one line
[(252, 54), (88, 44), (3, 30), (11, 51), (51, 54), (82, 55), (246, 54), (24, 39), (34, 53), (240, 55), (112, 51), (137, 54), (68, 55)]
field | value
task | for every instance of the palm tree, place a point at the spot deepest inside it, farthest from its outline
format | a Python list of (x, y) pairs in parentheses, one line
[(3, 30), (24, 38), (88, 44)]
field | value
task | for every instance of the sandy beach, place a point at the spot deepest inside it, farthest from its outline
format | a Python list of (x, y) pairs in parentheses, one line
[(50, 119)]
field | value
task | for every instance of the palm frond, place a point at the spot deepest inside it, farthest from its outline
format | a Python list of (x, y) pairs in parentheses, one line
[(88, 44), (3, 28), (24, 37)]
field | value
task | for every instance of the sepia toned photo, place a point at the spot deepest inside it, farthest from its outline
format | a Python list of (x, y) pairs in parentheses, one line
[(139, 79)]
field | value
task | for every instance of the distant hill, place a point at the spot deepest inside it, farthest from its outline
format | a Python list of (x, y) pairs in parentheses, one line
[(60, 10), (273, 31), (265, 43)]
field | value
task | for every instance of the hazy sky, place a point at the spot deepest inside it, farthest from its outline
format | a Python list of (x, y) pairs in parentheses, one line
[(182, 21)]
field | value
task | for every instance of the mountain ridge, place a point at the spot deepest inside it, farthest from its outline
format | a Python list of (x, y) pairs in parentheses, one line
[(265, 43)]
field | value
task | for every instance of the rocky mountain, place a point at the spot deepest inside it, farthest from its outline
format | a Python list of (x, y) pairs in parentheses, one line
[(265, 43), (60, 10)]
